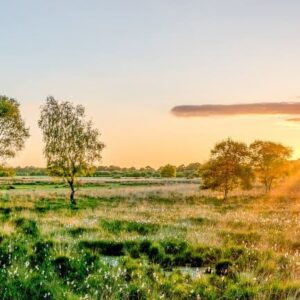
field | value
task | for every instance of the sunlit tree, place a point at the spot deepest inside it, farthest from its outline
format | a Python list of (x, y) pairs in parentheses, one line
[(168, 171), (13, 131), (227, 168), (7, 171), (270, 162), (72, 145)]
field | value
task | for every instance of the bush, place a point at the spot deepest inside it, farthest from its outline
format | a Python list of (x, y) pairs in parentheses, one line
[(142, 228), (156, 255), (116, 226), (28, 227), (188, 258), (168, 171), (209, 255), (223, 268), (239, 291), (174, 246), (109, 248), (41, 252), (233, 253), (5, 257), (145, 246), (63, 266), (76, 232), (135, 292)]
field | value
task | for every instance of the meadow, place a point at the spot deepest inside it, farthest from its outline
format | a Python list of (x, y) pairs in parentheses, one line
[(146, 239)]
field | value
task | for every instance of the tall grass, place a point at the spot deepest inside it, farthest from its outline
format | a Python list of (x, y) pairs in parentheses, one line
[(162, 241)]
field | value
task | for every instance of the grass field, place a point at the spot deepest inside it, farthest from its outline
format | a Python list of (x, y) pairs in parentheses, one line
[(146, 239)]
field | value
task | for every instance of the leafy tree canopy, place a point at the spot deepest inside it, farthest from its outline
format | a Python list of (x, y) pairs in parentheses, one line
[(72, 145), (168, 171), (228, 167), (270, 161), (13, 131)]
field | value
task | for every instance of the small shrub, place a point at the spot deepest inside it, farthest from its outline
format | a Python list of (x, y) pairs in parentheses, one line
[(41, 252), (28, 227), (223, 267), (134, 292), (34, 289), (63, 266), (210, 255), (5, 257), (116, 226), (76, 232), (174, 247), (233, 253), (142, 228), (6, 211), (188, 258), (145, 246), (109, 248), (156, 255), (239, 291)]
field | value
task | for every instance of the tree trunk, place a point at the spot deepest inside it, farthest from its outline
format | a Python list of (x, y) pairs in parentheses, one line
[(270, 185), (266, 188), (266, 184), (72, 195), (225, 193)]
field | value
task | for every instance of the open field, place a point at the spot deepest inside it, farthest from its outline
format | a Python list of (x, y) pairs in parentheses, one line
[(146, 239)]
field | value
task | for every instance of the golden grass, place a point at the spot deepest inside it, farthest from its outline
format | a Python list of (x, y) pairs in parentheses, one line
[(273, 220)]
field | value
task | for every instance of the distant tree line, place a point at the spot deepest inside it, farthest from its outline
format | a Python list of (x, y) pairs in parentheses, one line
[(182, 171)]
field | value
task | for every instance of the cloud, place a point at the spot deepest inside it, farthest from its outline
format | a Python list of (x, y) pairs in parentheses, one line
[(280, 108), (293, 120)]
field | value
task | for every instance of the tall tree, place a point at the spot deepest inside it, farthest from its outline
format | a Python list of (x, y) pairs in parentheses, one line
[(72, 145), (270, 162), (13, 131), (227, 168)]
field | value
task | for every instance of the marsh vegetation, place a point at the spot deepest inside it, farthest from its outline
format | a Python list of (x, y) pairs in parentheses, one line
[(157, 241)]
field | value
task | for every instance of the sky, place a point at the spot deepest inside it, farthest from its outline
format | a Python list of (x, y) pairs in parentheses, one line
[(130, 62)]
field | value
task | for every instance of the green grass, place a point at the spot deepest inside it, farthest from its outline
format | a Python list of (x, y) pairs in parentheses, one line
[(146, 242)]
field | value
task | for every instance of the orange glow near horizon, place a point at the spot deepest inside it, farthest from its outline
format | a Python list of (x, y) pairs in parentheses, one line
[(155, 139)]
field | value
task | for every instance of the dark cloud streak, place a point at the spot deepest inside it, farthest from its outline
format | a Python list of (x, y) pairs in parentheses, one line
[(284, 108), (293, 120)]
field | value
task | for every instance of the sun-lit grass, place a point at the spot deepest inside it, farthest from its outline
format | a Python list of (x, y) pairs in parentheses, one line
[(160, 241)]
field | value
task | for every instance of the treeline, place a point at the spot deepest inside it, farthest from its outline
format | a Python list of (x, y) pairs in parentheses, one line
[(183, 171)]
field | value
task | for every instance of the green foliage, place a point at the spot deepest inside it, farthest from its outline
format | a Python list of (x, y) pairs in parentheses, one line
[(72, 145), (117, 226), (13, 131), (109, 248), (30, 171), (210, 253), (41, 253), (270, 161), (223, 267), (227, 168), (26, 226), (192, 170), (168, 171), (6, 171), (136, 293)]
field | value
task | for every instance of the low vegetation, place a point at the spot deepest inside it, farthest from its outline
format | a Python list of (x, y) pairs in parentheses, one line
[(167, 241)]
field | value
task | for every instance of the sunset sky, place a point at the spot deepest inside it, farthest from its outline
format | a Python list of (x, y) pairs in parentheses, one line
[(130, 62)]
